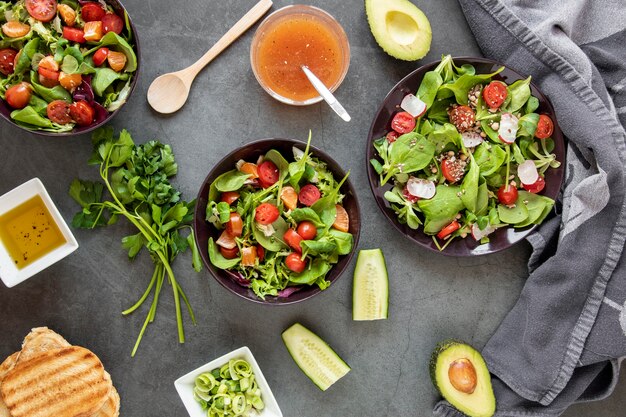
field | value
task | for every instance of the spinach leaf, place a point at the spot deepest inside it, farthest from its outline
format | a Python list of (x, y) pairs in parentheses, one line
[(513, 214), (343, 240), (218, 260), (519, 93), (528, 125), (275, 241), (298, 168), (489, 158), (316, 247), (49, 94), (482, 199), (318, 268), (440, 210), (104, 78), (116, 41), (231, 181), (410, 152), (536, 205), (40, 105), (532, 104), (301, 214), (460, 88), (29, 50), (442, 135), (280, 162), (28, 115), (438, 112), (469, 186), (428, 88)]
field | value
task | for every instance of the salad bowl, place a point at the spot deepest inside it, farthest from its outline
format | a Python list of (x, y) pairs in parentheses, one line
[(501, 238), (99, 119), (204, 231)]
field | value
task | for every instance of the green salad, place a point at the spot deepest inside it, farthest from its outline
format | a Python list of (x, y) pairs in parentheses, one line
[(64, 63), (467, 155), (282, 224)]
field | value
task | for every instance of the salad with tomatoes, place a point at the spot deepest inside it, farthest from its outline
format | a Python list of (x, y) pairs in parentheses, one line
[(64, 63), (466, 155), (281, 224)]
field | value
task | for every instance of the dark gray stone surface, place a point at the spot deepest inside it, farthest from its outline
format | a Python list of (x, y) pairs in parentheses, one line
[(432, 297)]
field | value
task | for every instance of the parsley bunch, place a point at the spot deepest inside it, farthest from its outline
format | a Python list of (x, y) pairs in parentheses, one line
[(136, 178)]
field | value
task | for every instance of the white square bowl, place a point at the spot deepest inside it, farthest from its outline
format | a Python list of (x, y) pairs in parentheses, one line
[(185, 384), (9, 273)]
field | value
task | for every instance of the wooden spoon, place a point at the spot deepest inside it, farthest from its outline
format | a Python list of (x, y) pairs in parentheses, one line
[(169, 92)]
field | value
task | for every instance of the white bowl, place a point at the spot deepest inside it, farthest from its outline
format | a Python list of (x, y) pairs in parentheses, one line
[(9, 273), (185, 384)]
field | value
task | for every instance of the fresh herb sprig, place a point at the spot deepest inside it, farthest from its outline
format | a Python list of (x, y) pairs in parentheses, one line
[(137, 180)]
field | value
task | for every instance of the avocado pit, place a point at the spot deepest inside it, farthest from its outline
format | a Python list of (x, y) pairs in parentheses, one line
[(462, 375)]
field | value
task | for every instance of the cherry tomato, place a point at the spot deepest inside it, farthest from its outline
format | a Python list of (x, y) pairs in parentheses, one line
[(229, 197), (307, 230), (342, 220), (117, 60), (70, 81), (74, 34), (409, 197), (266, 213), (92, 12), (494, 94), (229, 253), (18, 96), (507, 195), (43, 10), (309, 194), (234, 227), (268, 174), (49, 74), (545, 127), (260, 252), (48, 82), (295, 263), (82, 113), (15, 29), (403, 122), (59, 112), (462, 117), (293, 239), (453, 171), (448, 230), (392, 136), (8, 59), (100, 56), (536, 187), (112, 23)]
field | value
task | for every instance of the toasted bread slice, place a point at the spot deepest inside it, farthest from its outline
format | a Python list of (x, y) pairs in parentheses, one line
[(5, 367), (65, 382), (110, 408), (40, 339)]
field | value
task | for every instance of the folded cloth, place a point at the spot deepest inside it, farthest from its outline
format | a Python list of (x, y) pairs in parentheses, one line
[(562, 341)]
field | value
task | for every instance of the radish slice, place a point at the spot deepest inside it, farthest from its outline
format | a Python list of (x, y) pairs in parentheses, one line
[(413, 105), (226, 240), (418, 187), (508, 128), (527, 172), (479, 234), (471, 139)]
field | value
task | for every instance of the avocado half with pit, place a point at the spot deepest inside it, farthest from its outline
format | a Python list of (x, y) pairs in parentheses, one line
[(400, 28), (460, 374)]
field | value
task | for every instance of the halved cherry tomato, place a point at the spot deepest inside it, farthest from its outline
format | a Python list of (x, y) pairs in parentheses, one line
[(545, 127), (229, 253), (48, 82), (536, 187), (268, 174), (68, 14), (295, 263), (18, 96), (8, 59), (250, 169), (74, 34), (453, 171), (342, 220), (266, 213), (93, 31), (92, 12), (462, 117), (309, 194), (449, 229), (59, 112), (43, 10), (507, 194), (70, 81), (307, 230), (226, 241), (403, 122), (49, 74), (15, 29), (234, 227), (260, 252), (293, 239), (248, 256), (48, 64), (100, 56), (112, 23), (392, 136), (82, 113), (117, 60), (229, 197), (494, 94), (289, 197)]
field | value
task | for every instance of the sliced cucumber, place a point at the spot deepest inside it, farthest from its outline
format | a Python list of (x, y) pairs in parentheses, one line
[(370, 293), (314, 357)]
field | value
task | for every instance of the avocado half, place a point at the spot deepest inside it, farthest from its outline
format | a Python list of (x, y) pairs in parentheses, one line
[(400, 28), (460, 374)]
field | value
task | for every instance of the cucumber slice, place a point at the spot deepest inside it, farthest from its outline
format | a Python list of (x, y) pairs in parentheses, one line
[(314, 357), (370, 293)]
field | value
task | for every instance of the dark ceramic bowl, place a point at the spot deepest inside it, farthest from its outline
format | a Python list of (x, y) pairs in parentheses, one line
[(502, 238), (5, 110), (204, 230)]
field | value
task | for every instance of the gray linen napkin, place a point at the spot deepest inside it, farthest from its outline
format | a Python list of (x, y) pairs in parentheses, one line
[(562, 341)]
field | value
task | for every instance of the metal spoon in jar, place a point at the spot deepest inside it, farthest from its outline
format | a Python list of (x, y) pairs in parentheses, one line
[(326, 94)]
